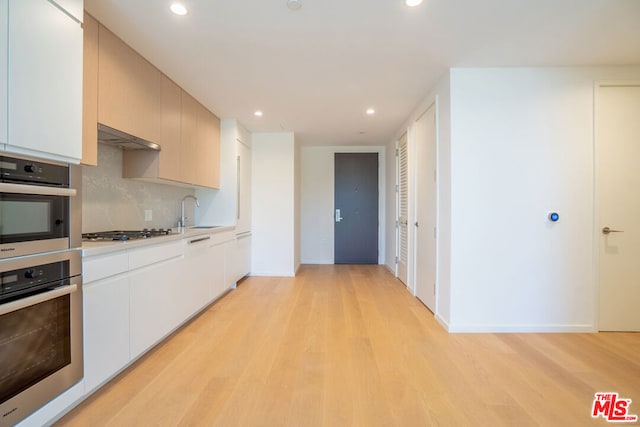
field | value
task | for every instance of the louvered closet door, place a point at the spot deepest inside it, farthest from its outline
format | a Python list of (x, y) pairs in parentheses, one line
[(403, 209)]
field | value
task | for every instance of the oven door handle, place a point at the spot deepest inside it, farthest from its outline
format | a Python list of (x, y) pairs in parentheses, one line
[(36, 299), (7, 187)]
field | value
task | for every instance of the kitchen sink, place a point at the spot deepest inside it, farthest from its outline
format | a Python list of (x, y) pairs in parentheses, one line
[(206, 226)]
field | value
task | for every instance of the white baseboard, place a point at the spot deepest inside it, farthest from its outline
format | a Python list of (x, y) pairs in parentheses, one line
[(391, 270), (442, 322), (273, 274), (472, 328)]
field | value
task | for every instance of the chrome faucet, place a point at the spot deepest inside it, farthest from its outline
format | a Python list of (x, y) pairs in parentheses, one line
[(182, 221)]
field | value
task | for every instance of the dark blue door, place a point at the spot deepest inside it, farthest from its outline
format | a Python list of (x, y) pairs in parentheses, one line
[(356, 208)]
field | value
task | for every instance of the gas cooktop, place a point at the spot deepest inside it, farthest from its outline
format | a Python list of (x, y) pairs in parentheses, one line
[(124, 235)]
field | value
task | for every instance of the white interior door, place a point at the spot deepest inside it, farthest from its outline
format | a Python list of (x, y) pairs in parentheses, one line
[(403, 210), (425, 225), (618, 184)]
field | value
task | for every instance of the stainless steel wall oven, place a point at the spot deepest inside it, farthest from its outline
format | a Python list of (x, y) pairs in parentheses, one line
[(35, 207), (40, 330), (40, 284)]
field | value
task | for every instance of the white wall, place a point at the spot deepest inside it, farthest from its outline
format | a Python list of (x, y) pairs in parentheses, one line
[(273, 204), (297, 233), (317, 214), (522, 146)]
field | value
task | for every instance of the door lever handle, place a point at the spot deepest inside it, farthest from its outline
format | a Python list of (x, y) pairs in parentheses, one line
[(607, 230)]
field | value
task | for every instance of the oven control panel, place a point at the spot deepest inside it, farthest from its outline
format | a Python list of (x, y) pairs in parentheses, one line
[(22, 281), (30, 171)]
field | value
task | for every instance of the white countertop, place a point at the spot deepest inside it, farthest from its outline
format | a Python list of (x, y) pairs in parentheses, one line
[(104, 247)]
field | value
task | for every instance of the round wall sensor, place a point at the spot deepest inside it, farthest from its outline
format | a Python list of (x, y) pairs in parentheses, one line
[(553, 216), (294, 4)]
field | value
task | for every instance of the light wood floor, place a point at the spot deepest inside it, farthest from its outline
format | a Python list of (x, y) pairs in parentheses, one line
[(349, 346)]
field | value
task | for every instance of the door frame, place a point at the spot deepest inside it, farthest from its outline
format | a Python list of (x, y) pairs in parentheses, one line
[(378, 189), (382, 193), (436, 105), (596, 191)]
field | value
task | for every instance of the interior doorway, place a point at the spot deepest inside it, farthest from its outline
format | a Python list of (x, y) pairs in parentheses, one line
[(356, 208), (618, 206), (425, 225)]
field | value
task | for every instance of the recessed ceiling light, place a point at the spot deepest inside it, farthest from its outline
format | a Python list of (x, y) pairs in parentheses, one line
[(370, 111), (412, 3), (294, 4), (178, 9), (258, 113)]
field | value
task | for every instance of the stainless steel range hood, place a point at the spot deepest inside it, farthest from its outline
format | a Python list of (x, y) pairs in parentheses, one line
[(111, 136)]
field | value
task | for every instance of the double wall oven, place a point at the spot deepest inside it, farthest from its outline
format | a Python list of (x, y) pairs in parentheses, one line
[(40, 284)]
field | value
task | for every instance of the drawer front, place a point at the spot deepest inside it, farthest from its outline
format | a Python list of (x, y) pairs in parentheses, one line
[(99, 267)]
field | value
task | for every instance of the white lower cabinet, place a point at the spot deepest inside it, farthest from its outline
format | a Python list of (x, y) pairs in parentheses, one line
[(244, 254), (197, 273), (132, 299), (238, 258), (158, 295), (217, 285), (106, 329)]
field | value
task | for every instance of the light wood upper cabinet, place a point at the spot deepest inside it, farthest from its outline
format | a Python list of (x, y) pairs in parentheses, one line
[(129, 89), (200, 144), (208, 149), (165, 164), (135, 97), (189, 155), (90, 91), (171, 117), (190, 144)]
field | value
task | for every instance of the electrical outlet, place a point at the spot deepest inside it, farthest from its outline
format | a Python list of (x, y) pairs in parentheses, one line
[(148, 215)]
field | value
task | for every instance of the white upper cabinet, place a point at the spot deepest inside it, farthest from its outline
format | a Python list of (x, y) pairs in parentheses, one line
[(74, 8), (45, 81), (243, 186), (4, 24)]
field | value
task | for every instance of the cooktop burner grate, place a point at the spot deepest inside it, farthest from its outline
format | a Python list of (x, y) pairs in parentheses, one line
[(124, 235)]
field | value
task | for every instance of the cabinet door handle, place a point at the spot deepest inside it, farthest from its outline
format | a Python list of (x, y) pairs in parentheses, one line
[(202, 239)]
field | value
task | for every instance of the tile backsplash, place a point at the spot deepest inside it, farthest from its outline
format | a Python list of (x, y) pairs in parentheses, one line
[(110, 202)]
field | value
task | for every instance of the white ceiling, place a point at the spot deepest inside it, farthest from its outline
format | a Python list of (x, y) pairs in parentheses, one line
[(315, 71)]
